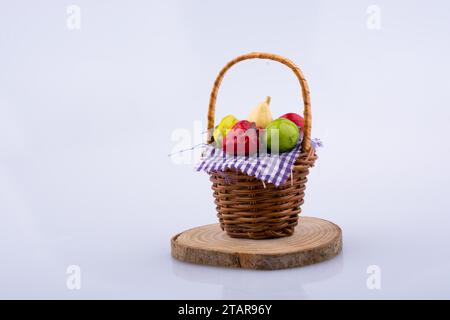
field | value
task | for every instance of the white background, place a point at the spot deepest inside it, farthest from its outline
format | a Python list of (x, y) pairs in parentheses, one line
[(86, 123)]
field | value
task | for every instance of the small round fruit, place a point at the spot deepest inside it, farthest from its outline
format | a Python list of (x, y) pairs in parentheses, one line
[(287, 133), (242, 139), (244, 125)]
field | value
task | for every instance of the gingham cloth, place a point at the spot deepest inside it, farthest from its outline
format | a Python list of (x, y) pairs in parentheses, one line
[(274, 169)]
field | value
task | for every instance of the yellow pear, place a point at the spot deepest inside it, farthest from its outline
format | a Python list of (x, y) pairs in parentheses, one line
[(261, 114)]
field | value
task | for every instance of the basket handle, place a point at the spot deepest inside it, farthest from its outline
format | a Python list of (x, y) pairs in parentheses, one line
[(306, 143)]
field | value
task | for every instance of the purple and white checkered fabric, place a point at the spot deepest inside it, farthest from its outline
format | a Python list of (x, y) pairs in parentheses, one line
[(274, 169)]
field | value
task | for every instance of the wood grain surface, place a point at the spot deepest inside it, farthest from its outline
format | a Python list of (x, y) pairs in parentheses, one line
[(314, 240)]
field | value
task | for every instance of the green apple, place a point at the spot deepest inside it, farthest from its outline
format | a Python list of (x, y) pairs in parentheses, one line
[(223, 127), (281, 132)]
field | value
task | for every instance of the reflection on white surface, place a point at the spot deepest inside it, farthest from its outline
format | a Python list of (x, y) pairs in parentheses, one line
[(260, 284)]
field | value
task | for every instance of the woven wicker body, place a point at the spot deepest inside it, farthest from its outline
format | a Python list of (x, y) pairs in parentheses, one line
[(248, 208)]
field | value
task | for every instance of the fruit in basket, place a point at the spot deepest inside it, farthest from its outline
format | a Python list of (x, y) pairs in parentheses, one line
[(261, 114), (242, 139), (221, 130), (295, 118), (281, 135), (243, 125)]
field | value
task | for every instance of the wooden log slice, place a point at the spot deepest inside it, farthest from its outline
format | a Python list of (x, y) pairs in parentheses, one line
[(314, 240)]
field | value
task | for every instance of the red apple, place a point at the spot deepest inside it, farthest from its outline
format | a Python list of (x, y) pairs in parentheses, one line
[(295, 118), (242, 139), (244, 125)]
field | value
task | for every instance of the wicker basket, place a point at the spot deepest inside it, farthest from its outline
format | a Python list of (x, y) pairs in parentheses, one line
[(246, 207)]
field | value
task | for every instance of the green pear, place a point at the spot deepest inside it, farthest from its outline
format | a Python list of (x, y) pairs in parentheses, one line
[(223, 127), (281, 135)]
